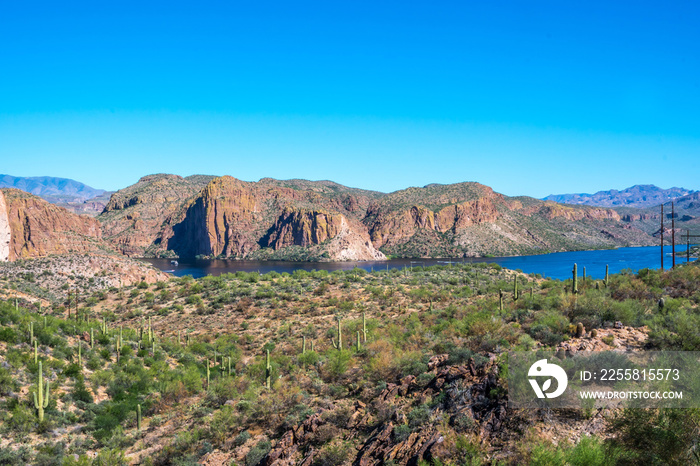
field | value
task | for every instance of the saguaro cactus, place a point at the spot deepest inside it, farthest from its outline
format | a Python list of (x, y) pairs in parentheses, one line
[(92, 338), (364, 328), (500, 300), (339, 345), (303, 344), (138, 417), (607, 275), (358, 341), (515, 288), (118, 348), (268, 371), (208, 375), (36, 352), (41, 396), (574, 286)]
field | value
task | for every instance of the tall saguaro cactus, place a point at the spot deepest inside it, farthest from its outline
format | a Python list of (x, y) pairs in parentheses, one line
[(208, 375), (574, 286), (268, 370), (515, 288), (364, 328), (41, 396), (138, 417), (339, 345), (607, 275)]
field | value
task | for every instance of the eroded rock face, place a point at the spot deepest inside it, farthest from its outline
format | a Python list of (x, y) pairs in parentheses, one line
[(5, 231), (553, 210), (233, 218), (304, 228), (38, 228), (392, 227)]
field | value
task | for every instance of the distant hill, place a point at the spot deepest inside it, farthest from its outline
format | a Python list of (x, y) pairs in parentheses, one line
[(51, 188), (73, 195), (640, 196), (687, 211)]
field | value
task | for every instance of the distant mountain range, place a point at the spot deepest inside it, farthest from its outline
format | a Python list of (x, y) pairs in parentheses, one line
[(49, 187), (640, 196), (73, 195)]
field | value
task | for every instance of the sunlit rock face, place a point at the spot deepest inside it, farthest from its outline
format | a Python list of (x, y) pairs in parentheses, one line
[(5, 232)]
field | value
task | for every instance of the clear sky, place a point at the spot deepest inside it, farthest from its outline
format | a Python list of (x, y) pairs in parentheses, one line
[(528, 97)]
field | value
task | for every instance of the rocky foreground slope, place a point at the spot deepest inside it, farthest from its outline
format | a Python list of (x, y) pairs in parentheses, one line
[(166, 215)]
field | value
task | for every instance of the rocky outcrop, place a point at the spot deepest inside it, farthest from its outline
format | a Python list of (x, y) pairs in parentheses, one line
[(467, 399), (38, 228), (552, 210), (304, 228), (394, 227)]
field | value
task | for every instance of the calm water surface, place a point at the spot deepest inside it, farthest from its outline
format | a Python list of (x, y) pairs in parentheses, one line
[(555, 265)]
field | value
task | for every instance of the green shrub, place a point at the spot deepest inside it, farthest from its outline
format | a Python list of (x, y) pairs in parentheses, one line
[(257, 453), (401, 432), (332, 455), (655, 436)]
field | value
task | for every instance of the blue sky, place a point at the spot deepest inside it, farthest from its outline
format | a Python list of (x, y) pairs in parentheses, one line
[(527, 97)]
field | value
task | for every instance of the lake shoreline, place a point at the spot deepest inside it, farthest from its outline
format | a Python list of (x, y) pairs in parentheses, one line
[(556, 265)]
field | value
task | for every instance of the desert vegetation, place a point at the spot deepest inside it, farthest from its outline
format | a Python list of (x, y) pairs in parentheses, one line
[(348, 367)]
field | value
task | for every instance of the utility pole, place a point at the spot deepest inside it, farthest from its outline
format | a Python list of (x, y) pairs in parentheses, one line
[(673, 235), (662, 237)]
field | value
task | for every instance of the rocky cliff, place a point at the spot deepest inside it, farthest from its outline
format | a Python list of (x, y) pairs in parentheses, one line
[(136, 217), (234, 218), (37, 228), (5, 231)]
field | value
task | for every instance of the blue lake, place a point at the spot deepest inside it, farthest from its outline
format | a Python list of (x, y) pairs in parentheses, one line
[(555, 265)]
